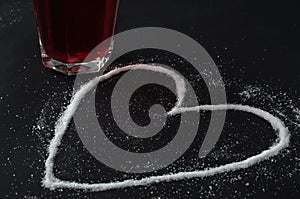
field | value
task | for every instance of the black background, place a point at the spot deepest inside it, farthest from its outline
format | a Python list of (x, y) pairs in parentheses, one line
[(252, 42)]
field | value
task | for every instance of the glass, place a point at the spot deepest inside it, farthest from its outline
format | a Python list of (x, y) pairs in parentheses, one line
[(70, 29)]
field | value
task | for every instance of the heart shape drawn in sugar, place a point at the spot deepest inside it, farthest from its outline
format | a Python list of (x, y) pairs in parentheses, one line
[(51, 182)]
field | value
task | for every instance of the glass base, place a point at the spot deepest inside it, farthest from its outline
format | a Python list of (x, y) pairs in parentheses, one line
[(75, 68)]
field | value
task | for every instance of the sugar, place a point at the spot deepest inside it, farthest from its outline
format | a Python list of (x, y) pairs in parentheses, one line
[(50, 181)]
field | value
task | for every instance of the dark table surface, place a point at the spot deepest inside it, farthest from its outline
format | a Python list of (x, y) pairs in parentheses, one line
[(255, 45)]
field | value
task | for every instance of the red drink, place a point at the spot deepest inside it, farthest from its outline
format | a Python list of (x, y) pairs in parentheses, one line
[(70, 29)]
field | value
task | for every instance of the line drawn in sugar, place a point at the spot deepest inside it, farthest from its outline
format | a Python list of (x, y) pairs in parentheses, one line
[(279, 102), (51, 182)]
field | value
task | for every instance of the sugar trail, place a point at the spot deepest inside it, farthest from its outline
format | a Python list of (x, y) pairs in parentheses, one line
[(50, 181)]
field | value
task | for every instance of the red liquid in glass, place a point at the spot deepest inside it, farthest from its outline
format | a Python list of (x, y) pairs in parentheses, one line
[(70, 29)]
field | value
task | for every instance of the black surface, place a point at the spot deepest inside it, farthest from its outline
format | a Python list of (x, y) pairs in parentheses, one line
[(252, 42)]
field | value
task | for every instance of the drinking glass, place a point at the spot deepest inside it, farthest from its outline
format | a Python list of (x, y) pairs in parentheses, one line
[(70, 29)]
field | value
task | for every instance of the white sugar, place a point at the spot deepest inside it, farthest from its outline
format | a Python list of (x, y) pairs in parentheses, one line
[(50, 181)]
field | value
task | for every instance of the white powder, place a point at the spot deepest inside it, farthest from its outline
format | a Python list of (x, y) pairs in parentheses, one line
[(297, 112), (277, 101), (50, 181)]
